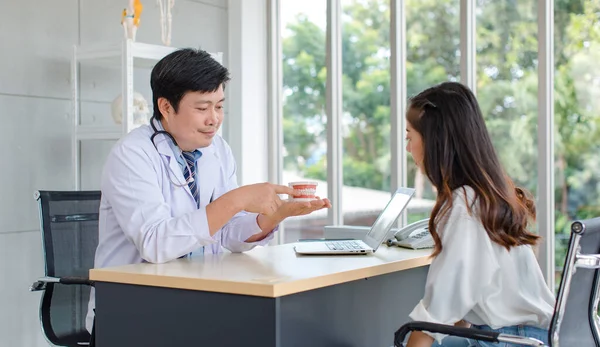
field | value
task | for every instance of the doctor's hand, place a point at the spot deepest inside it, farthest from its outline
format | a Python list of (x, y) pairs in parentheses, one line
[(288, 208), (261, 198), (291, 208)]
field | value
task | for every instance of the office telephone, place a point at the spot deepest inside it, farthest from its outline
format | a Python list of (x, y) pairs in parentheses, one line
[(415, 236)]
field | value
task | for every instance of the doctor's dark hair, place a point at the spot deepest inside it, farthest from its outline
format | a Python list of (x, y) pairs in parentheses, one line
[(185, 70), (458, 151)]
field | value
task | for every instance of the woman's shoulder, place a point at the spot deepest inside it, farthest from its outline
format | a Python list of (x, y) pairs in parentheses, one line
[(463, 218), (463, 200)]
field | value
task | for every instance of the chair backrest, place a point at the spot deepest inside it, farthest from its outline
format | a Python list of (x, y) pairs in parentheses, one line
[(575, 321), (69, 224)]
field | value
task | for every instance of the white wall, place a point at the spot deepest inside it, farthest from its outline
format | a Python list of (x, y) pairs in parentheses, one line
[(35, 115), (248, 111)]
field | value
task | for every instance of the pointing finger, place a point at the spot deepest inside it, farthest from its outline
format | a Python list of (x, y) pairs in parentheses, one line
[(279, 189)]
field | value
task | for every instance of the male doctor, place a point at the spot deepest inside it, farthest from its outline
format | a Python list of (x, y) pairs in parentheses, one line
[(170, 188)]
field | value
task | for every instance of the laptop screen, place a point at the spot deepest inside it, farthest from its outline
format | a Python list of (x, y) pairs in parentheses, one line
[(388, 217)]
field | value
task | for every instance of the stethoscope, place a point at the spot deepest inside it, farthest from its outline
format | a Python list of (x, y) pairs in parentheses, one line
[(163, 132)]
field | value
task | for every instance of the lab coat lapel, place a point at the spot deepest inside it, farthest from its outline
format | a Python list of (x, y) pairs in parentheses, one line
[(176, 174), (208, 174)]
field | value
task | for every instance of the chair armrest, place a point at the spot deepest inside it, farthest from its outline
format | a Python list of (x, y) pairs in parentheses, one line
[(40, 284), (470, 333)]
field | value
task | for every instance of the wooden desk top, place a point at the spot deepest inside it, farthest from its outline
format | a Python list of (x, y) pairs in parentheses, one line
[(264, 271)]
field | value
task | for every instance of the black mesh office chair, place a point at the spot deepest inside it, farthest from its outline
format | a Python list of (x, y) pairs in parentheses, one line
[(575, 321), (69, 225)]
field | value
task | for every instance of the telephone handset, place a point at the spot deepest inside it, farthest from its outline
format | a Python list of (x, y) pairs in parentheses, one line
[(415, 236)]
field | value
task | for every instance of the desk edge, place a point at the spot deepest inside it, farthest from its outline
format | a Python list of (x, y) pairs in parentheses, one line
[(271, 290)]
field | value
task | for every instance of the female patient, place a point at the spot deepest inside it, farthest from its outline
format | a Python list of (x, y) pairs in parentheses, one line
[(484, 272)]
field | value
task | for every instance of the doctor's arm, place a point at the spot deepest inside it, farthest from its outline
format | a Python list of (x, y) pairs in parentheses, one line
[(287, 209), (258, 229), (248, 228), (260, 200), (254, 225)]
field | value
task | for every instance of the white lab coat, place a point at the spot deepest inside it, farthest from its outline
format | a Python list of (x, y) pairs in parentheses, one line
[(144, 217)]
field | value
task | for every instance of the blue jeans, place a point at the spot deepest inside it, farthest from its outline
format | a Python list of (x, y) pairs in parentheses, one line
[(519, 330)]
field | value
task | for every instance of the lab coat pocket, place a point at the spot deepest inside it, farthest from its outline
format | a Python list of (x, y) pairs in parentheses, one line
[(181, 201)]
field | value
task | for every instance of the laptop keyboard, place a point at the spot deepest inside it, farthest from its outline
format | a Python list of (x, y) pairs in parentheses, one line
[(343, 245)]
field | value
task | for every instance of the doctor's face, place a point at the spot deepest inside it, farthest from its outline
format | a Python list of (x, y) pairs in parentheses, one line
[(197, 119)]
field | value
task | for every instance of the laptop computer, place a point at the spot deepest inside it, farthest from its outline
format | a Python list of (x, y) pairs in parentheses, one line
[(372, 240)]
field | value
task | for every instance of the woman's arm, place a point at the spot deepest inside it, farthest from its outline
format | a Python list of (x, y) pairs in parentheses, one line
[(462, 324), (419, 339)]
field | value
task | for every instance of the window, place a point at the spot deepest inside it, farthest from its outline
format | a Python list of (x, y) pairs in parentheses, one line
[(507, 84), (577, 119), (433, 56), (366, 109), (304, 117)]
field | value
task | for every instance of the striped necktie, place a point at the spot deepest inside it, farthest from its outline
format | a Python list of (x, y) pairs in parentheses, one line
[(190, 158), (191, 165)]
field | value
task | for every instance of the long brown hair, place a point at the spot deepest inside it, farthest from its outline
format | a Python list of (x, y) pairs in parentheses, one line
[(458, 152)]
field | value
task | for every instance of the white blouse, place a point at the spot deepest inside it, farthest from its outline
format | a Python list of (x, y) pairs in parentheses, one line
[(478, 280)]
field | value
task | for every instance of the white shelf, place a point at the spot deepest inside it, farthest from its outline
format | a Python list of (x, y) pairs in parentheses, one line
[(138, 50), (111, 54)]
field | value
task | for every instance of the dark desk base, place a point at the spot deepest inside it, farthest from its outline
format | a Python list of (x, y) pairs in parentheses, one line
[(360, 313)]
